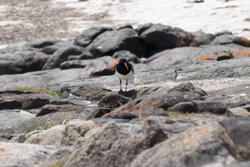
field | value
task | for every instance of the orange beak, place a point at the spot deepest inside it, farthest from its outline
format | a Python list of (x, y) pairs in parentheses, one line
[(126, 65)]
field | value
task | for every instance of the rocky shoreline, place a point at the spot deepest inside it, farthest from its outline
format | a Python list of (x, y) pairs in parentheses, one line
[(187, 107)]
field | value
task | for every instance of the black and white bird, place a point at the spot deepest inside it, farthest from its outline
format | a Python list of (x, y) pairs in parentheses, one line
[(124, 71)]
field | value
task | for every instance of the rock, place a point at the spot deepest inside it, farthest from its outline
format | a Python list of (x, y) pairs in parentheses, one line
[(141, 28), (47, 121), (58, 158), (238, 130), (228, 38), (237, 112), (96, 67), (112, 101), (109, 103), (87, 36), (159, 37), (156, 104), (42, 43), (21, 62), (242, 41), (85, 91), (23, 99), (111, 41), (117, 144), (51, 108), (201, 38), (205, 145), (189, 55), (241, 53), (61, 55), (215, 107), (23, 155), (223, 39), (222, 69), (126, 55), (75, 130), (125, 26), (52, 136)]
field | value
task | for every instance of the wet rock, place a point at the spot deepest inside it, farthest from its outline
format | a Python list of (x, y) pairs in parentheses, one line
[(160, 37), (52, 136), (87, 36), (51, 108), (61, 55), (23, 100), (111, 41), (205, 145), (34, 154)]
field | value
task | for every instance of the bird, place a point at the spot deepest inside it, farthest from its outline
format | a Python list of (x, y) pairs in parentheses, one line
[(124, 71)]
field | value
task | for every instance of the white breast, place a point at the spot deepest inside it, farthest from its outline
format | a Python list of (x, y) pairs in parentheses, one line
[(129, 76)]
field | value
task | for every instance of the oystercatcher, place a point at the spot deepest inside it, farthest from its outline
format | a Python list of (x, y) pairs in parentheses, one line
[(124, 71)]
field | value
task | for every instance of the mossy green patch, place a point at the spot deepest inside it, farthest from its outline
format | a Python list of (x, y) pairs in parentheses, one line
[(39, 91)]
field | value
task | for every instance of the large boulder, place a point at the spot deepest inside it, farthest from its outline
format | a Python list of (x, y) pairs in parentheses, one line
[(117, 144), (94, 67), (111, 41), (61, 55), (21, 62), (206, 145), (160, 37), (87, 36)]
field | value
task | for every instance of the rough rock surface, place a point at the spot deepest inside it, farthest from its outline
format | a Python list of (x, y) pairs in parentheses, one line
[(188, 105)]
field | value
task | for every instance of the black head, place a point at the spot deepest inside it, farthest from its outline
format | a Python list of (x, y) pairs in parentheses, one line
[(122, 61)]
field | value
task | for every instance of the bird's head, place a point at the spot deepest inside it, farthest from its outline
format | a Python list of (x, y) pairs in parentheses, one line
[(124, 62)]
